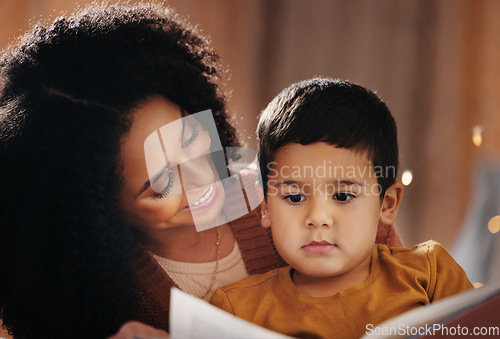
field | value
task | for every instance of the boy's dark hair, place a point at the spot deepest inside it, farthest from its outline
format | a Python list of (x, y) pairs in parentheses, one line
[(337, 112)]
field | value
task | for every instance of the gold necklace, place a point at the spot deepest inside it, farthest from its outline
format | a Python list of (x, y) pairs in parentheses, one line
[(214, 274), (219, 231)]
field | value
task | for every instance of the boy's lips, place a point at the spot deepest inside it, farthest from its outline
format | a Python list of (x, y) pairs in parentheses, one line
[(319, 247)]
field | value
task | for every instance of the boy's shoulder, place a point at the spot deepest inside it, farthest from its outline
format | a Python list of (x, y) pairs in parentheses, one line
[(428, 263), (255, 280), (421, 257), (424, 249)]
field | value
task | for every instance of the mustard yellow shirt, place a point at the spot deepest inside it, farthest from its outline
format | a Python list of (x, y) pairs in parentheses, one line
[(400, 279)]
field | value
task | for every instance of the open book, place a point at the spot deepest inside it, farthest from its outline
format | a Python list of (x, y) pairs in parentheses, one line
[(192, 318), (459, 315), (470, 313)]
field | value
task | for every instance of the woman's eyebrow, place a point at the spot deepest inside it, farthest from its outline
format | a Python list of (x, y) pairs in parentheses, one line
[(153, 179)]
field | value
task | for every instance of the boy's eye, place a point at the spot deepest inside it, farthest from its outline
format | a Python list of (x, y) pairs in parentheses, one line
[(343, 197), (295, 198)]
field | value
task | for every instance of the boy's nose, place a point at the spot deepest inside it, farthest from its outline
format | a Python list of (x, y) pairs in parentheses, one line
[(319, 214)]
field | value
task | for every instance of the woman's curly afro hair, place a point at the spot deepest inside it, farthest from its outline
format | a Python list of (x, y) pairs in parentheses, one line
[(67, 93)]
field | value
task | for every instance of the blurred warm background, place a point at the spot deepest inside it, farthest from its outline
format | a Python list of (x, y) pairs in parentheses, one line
[(435, 62)]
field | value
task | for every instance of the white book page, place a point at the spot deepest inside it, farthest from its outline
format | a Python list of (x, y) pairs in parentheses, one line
[(192, 318), (434, 312)]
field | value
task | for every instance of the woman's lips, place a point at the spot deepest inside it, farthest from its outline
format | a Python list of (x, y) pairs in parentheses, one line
[(206, 200), (321, 247)]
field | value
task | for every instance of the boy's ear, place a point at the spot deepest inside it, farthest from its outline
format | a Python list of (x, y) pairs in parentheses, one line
[(265, 220), (390, 204)]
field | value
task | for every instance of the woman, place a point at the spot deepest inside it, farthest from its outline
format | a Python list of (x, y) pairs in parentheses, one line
[(87, 242), (79, 98)]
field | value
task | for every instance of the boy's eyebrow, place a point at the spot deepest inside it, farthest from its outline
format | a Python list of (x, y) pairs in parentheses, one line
[(340, 182), (289, 183), (348, 182)]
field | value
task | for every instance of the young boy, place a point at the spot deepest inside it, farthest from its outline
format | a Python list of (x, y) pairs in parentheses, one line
[(328, 154)]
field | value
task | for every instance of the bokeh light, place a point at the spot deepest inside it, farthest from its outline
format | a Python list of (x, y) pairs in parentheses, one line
[(407, 177), (494, 224), (477, 135)]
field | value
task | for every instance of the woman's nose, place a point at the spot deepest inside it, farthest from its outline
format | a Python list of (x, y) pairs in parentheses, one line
[(196, 173), (320, 213)]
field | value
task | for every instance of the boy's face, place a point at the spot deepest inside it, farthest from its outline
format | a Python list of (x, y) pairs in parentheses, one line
[(324, 209)]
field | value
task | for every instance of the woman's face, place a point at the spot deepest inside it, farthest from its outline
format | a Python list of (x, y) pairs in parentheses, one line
[(168, 172)]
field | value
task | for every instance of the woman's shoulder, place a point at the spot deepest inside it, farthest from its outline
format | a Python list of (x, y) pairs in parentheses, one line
[(256, 244)]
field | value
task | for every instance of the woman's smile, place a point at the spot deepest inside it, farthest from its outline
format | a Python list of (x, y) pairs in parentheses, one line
[(206, 200)]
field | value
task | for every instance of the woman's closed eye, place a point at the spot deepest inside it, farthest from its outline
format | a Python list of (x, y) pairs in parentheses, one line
[(167, 181)]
